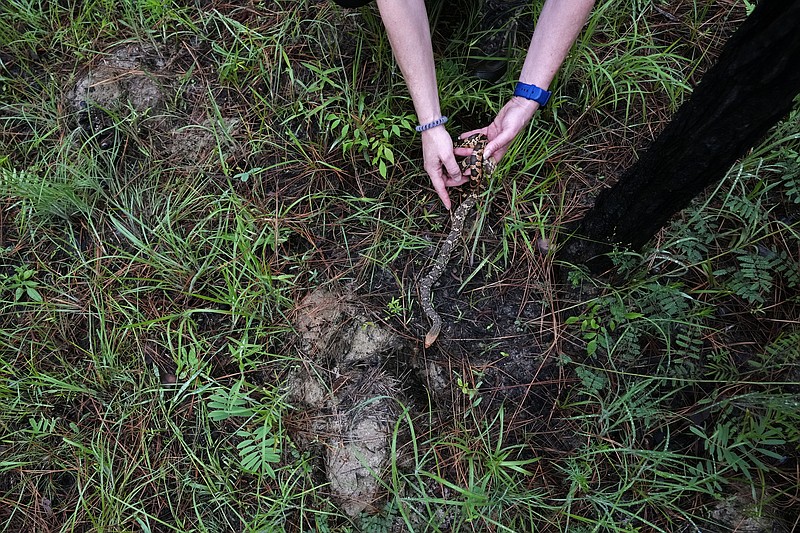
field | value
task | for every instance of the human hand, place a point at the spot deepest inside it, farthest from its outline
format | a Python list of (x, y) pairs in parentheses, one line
[(440, 163), (512, 119)]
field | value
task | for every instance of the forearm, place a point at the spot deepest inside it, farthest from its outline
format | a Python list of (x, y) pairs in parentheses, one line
[(408, 30), (556, 30)]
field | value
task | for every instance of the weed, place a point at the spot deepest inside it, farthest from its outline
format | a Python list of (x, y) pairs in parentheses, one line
[(395, 307), (259, 446), (22, 282)]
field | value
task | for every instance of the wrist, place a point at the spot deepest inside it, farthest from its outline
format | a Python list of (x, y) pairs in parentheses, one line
[(429, 125), (524, 103), (433, 133)]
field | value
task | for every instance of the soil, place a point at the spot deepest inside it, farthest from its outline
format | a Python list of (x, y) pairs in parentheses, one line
[(352, 403)]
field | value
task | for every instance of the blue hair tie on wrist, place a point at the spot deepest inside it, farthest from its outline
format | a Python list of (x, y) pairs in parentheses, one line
[(532, 92), (438, 122)]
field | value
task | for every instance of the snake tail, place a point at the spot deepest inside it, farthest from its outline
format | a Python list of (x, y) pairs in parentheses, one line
[(433, 333)]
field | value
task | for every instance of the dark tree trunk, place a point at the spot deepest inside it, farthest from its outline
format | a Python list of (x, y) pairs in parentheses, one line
[(749, 90)]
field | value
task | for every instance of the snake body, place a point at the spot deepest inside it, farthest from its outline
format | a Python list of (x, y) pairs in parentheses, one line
[(478, 168)]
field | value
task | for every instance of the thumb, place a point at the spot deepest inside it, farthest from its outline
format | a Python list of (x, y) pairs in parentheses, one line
[(452, 168), (503, 139)]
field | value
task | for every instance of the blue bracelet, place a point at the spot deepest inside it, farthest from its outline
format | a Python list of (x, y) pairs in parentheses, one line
[(532, 92), (438, 122)]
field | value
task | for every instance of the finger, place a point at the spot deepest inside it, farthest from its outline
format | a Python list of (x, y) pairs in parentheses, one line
[(440, 189), (473, 132), (449, 182), (462, 151), (452, 168), (503, 139)]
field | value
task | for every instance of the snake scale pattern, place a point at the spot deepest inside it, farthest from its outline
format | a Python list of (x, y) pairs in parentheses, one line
[(478, 168)]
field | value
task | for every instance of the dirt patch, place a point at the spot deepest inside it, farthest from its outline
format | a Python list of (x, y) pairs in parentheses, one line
[(128, 75), (359, 374), (739, 512), (351, 401), (135, 90)]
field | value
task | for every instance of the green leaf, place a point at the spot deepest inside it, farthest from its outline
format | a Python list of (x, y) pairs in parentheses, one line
[(224, 404), (258, 450), (591, 347), (697, 431)]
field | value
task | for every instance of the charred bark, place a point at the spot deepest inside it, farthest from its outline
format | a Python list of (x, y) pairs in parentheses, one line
[(750, 89)]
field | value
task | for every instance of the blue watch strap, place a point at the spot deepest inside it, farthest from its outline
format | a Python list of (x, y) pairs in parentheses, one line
[(532, 92)]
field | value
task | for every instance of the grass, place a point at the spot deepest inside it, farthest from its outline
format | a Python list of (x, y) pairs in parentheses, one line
[(153, 258)]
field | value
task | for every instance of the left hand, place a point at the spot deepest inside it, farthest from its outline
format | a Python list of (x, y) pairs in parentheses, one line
[(440, 164), (512, 119)]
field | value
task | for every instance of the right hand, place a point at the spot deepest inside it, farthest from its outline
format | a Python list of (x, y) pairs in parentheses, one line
[(440, 162), (511, 120)]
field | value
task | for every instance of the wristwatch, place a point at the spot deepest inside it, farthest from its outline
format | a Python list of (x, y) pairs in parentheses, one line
[(532, 92)]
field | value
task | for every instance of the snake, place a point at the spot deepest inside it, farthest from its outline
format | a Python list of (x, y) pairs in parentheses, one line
[(479, 168)]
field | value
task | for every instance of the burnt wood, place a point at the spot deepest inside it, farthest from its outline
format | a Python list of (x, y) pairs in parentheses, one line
[(749, 89)]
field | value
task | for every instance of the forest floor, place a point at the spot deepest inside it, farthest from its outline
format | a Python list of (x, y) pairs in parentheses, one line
[(214, 221)]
